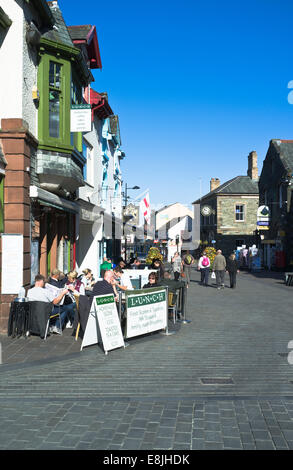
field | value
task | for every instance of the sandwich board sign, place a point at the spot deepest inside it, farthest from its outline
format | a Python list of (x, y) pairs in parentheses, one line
[(146, 311), (103, 322)]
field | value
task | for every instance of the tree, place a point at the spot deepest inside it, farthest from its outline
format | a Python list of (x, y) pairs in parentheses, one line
[(153, 253)]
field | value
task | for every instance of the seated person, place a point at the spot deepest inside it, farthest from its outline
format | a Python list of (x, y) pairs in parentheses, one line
[(87, 279), (153, 282), (107, 286), (57, 279), (157, 264), (136, 264), (39, 293), (170, 283), (123, 279)]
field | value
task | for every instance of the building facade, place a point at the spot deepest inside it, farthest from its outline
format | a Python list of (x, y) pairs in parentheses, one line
[(174, 229), (228, 213), (275, 193), (52, 179)]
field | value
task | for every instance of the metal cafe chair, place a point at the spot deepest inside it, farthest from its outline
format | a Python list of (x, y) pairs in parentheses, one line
[(173, 304), (51, 317)]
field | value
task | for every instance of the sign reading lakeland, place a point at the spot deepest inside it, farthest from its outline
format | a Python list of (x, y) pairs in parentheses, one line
[(103, 317), (146, 311)]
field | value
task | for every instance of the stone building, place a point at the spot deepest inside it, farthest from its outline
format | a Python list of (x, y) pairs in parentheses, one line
[(275, 192), (228, 213)]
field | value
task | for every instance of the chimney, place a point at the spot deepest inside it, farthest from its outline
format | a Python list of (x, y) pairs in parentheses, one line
[(252, 171), (214, 183)]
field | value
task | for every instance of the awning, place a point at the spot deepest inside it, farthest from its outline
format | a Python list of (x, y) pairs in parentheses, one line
[(45, 198)]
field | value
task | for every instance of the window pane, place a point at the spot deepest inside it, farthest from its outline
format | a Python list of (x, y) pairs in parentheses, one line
[(54, 113), (52, 74), (57, 75), (239, 212)]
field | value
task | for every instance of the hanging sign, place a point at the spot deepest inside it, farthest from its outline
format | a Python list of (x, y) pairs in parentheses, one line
[(103, 319), (263, 216), (146, 311), (80, 118)]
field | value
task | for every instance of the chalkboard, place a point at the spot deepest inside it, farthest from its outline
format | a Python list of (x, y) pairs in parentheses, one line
[(103, 321)]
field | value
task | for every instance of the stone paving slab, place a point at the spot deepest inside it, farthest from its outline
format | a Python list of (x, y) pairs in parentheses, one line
[(152, 395)]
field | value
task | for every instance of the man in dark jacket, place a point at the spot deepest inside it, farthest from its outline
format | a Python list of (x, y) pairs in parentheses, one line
[(219, 266), (107, 286)]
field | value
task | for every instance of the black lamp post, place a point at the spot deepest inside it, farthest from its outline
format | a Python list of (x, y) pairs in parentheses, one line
[(125, 204)]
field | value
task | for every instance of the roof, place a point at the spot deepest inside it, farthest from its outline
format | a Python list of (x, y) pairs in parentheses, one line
[(237, 185), (285, 150), (100, 104), (87, 34), (59, 32), (80, 31)]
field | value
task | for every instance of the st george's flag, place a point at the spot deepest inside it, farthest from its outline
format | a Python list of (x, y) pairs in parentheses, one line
[(145, 208)]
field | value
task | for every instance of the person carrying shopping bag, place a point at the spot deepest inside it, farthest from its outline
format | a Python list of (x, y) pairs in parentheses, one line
[(204, 268)]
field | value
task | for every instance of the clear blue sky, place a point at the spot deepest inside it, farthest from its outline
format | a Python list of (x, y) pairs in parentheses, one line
[(197, 86)]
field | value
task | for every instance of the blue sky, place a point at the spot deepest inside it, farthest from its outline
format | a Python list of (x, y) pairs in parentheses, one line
[(197, 86)]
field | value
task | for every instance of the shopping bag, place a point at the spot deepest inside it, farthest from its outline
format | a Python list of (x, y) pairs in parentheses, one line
[(213, 275)]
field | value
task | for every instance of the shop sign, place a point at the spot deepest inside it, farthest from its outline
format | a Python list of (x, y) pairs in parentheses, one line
[(103, 319), (263, 216), (146, 311), (80, 118)]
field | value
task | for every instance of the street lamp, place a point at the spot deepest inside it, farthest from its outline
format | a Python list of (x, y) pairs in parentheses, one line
[(125, 204)]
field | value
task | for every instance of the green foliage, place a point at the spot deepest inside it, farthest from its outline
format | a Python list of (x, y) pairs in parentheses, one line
[(153, 253), (210, 252)]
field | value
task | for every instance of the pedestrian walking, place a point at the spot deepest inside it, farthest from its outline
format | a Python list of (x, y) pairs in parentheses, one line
[(188, 260), (219, 267), (177, 265), (204, 268), (232, 268)]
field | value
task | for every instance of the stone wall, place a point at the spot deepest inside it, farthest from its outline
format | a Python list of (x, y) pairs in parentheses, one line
[(226, 223)]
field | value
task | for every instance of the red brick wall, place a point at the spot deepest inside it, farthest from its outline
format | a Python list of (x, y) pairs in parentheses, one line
[(17, 143)]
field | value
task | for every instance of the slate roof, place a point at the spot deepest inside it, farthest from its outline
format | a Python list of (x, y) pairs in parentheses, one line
[(79, 32), (285, 150), (59, 32), (237, 185)]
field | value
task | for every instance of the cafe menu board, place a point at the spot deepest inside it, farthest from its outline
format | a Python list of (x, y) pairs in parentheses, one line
[(146, 311), (105, 311), (12, 263)]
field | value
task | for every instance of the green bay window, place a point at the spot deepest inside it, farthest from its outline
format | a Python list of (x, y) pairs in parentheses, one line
[(54, 107)]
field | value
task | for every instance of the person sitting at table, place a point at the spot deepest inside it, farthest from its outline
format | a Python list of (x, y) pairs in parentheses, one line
[(170, 283), (75, 289), (136, 264), (87, 279), (157, 264), (39, 293), (153, 282), (122, 278), (106, 286), (67, 306)]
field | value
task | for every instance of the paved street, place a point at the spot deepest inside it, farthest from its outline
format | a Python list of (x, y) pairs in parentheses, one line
[(222, 381)]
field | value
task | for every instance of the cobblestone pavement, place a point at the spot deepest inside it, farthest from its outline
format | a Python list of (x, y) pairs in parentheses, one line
[(222, 381)]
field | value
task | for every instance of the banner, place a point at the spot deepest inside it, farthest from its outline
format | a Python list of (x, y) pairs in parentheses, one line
[(145, 208), (103, 319), (146, 311)]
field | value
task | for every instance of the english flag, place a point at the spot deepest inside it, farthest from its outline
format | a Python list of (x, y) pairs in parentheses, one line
[(145, 208)]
